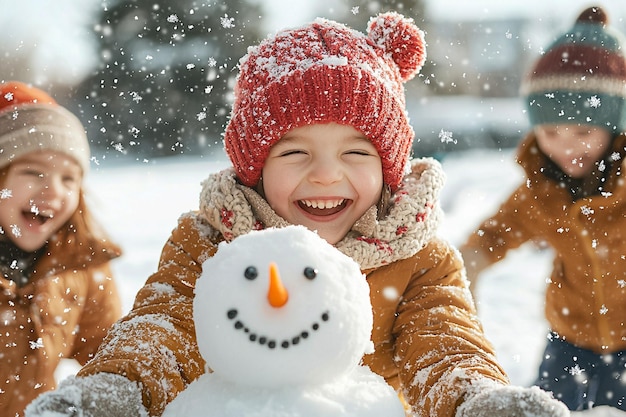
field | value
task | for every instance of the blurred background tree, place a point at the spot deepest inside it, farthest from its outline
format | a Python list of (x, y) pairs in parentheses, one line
[(163, 80)]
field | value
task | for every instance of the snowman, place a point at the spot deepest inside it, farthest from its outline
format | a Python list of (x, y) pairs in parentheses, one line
[(283, 319)]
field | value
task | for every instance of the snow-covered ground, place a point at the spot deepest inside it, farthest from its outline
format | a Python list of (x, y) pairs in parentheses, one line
[(139, 203)]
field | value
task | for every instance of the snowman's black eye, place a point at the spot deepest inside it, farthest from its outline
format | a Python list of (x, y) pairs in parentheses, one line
[(251, 273), (310, 273)]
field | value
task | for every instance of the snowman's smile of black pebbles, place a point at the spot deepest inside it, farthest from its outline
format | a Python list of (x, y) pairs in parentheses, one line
[(270, 342)]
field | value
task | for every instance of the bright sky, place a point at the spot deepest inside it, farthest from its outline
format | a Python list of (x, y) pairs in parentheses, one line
[(567, 10)]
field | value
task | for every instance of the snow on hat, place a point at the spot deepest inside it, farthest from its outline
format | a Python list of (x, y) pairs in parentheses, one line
[(581, 78), (326, 72), (31, 120)]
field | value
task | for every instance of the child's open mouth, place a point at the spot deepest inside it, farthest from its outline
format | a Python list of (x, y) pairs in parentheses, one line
[(37, 217), (323, 207)]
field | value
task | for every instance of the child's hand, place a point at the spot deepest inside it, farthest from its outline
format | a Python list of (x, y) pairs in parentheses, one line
[(99, 395), (511, 401)]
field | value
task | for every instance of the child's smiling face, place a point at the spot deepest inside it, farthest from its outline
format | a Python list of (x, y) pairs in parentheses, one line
[(574, 148), (40, 193), (323, 176)]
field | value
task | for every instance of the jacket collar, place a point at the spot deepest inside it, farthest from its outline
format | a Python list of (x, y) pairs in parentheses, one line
[(16, 264)]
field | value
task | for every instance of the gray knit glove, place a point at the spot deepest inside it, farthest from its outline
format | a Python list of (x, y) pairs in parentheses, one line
[(511, 401), (99, 395)]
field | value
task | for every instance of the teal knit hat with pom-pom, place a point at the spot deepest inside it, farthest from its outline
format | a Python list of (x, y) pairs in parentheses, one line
[(581, 78)]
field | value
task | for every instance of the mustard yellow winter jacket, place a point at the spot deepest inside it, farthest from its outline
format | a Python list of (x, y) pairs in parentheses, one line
[(586, 295), (64, 311), (428, 341)]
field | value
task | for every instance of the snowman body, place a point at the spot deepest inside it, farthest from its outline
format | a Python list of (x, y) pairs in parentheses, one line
[(282, 320), (358, 393)]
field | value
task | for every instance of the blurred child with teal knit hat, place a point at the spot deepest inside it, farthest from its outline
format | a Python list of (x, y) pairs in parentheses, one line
[(573, 198)]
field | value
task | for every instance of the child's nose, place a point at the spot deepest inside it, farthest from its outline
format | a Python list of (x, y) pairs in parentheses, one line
[(52, 188), (325, 171)]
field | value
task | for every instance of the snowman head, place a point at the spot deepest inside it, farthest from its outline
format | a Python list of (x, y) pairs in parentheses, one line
[(281, 307)]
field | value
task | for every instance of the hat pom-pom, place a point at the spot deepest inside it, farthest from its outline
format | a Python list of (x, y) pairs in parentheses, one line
[(594, 15), (401, 39), (15, 93)]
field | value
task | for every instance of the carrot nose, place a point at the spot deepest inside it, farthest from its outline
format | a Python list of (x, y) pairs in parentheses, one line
[(277, 294)]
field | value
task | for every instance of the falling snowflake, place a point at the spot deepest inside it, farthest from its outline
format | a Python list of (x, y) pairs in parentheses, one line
[(173, 18), (136, 97), (134, 131), (576, 370), (201, 116), (190, 66), (208, 89), (446, 137), (16, 230), (390, 293), (621, 283), (355, 10), (227, 22), (212, 62), (118, 147), (38, 344), (594, 101), (586, 210), (5, 193), (603, 309)]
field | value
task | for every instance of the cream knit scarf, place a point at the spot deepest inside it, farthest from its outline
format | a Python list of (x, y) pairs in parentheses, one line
[(412, 221)]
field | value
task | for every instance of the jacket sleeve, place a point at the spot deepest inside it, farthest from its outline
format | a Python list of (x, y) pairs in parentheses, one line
[(508, 228), (155, 344), (440, 345), (102, 308)]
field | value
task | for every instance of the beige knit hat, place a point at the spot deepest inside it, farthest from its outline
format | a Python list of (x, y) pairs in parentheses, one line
[(31, 120)]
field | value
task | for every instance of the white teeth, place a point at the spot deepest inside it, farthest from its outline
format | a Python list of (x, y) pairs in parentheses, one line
[(323, 204), (48, 214)]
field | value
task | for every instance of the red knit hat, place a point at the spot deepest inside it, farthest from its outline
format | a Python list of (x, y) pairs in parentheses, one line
[(31, 120), (326, 72)]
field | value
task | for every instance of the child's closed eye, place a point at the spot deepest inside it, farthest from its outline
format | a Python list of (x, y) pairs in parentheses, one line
[(292, 152), (31, 173), (71, 180), (359, 152)]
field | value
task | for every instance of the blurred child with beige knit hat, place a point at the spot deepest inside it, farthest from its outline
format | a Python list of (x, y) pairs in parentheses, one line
[(57, 294), (319, 136), (573, 198)]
